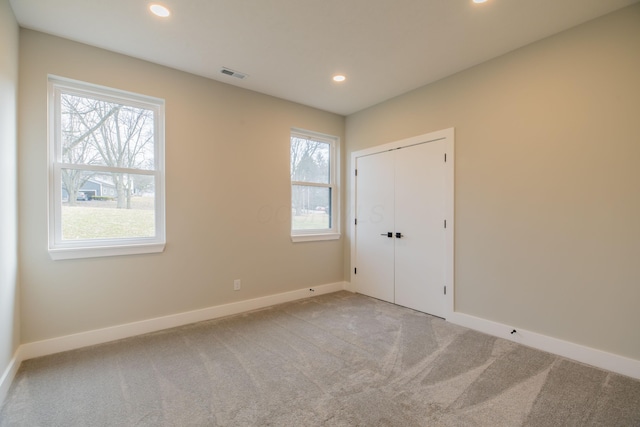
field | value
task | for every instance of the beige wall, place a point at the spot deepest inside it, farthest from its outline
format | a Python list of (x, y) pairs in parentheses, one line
[(547, 181), (547, 200), (9, 304), (227, 179)]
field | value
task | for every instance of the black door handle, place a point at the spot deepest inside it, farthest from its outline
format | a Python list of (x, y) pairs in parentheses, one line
[(389, 234), (399, 235)]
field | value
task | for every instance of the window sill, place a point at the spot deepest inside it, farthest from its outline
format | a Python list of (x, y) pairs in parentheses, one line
[(104, 251), (314, 237)]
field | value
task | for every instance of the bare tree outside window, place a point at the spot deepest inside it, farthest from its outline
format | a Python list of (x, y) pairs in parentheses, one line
[(106, 162), (98, 132), (312, 183), (76, 146)]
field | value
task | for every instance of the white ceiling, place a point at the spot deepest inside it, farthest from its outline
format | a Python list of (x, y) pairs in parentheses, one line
[(291, 48)]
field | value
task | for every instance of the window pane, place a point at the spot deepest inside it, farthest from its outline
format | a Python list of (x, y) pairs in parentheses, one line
[(310, 160), (311, 208), (98, 132), (107, 205)]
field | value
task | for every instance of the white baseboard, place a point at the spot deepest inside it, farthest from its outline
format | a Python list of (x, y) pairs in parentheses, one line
[(349, 287), (590, 356), (99, 336), (9, 374)]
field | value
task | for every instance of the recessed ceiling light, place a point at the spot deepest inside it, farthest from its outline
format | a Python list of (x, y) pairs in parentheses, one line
[(159, 10), (339, 78), (479, 1)]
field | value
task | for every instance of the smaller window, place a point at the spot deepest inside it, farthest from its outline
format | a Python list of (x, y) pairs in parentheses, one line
[(314, 189)]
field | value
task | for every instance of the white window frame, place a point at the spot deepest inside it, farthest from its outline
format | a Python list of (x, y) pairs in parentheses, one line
[(88, 248), (332, 233)]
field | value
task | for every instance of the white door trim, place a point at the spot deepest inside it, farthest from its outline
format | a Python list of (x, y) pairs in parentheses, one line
[(445, 134)]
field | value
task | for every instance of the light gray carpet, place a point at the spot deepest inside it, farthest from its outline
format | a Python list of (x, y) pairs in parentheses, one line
[(333, 360)]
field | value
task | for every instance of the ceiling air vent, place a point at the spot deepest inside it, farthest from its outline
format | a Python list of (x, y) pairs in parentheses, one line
[(232, 73)]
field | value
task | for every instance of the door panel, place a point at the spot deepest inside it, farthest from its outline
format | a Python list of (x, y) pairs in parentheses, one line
[(375, 214), (419, 216)]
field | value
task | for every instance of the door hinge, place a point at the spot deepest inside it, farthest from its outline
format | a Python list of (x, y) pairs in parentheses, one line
[(445, 157), (356, 221), (356, 172), (445, 223), (445, 290), (355, 271)]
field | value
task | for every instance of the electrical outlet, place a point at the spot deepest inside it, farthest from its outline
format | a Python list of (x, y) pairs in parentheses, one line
[(236, 285)]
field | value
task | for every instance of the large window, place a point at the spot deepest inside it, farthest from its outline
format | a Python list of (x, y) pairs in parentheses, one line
[(314, 191), (106, 171)]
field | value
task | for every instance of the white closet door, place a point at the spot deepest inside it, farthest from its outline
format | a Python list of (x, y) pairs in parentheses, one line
[(375, 214), (419, 217)]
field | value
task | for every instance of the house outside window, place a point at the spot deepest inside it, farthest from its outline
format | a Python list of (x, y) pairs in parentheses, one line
[(106, 171), (314, 187)]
